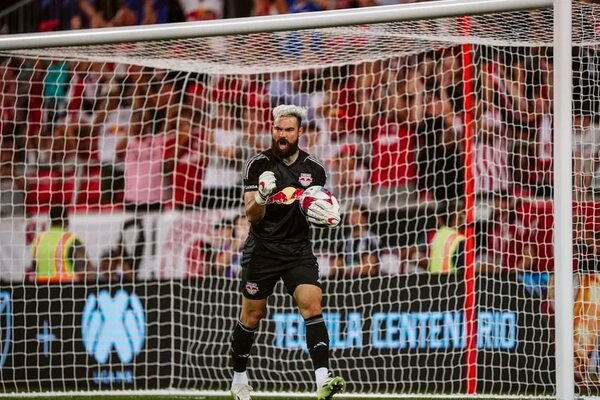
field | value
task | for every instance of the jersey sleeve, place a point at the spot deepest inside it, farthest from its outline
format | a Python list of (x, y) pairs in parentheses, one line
[(253, 167), (319, 174)]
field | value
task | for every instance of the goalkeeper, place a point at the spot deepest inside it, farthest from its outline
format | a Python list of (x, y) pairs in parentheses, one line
[(278, 247)]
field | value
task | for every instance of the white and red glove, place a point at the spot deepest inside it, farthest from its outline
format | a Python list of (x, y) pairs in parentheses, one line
[(266, 185), (324, 213)]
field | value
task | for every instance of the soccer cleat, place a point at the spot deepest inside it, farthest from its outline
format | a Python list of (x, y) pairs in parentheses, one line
[(331, 387), (241, 391)]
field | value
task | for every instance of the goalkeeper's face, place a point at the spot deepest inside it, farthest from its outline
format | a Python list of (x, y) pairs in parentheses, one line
[(284, 141)]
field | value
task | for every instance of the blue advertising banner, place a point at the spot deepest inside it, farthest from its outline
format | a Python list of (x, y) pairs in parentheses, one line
[(5, 326), (84, 337), (399, 334)]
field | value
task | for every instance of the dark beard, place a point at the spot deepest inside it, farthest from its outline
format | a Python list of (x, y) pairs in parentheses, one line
[(291, 149)]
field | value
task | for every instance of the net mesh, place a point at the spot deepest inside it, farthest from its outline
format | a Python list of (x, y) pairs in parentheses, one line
[(143, 145), (303, 49)]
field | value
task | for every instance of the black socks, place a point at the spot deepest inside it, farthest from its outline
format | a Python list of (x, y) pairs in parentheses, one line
[(243, 338), (317, 341)]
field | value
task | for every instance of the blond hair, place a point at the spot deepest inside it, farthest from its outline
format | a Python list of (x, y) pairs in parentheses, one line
[(289, 110)]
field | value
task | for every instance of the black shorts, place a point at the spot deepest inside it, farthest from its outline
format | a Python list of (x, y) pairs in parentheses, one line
[(260, 274)]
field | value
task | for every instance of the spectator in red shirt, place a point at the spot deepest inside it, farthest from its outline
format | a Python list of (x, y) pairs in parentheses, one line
[(196, 98), (8, 98), (191, 159), (392, 156)]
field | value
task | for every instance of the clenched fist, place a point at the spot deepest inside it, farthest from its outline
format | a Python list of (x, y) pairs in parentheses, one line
[(266, 185)]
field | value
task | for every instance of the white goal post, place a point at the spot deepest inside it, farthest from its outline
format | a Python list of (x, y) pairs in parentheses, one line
[(352, 41)]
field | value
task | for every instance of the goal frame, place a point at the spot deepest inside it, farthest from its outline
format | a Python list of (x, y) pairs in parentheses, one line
[(562, 44)]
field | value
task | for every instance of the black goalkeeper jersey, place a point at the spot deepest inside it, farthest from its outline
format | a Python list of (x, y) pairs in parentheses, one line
[(283, 230)]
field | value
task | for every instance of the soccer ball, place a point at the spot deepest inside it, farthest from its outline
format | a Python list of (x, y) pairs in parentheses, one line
[(313, 194)]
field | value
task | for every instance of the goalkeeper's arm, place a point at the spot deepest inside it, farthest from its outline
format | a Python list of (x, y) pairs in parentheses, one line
[(254, 211), (256, 202)]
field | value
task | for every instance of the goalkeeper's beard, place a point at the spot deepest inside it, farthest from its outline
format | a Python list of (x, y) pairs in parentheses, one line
[(290, 150)]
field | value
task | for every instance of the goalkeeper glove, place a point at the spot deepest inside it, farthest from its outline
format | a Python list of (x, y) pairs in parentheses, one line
[(266, 185), (323, 213)]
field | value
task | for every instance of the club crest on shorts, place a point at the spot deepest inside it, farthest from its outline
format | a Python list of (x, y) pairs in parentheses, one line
[(305, 179), (251, 288)]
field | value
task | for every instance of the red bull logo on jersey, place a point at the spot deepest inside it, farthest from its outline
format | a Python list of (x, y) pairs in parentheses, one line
[(305, 179), (251, 288), (286, 196)]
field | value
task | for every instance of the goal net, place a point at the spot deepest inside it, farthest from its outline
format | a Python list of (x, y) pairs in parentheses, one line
[(122, 220)]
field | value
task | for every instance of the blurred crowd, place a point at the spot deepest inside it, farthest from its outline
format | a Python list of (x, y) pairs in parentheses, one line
[(52, 15), (391, 132), (103, 136)]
